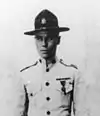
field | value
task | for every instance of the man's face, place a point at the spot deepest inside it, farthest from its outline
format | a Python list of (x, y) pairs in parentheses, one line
[(46, 44)]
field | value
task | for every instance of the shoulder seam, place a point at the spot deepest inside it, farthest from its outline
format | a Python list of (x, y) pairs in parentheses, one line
[(74, 66), (61, 61), (28, 67), (71, 65)]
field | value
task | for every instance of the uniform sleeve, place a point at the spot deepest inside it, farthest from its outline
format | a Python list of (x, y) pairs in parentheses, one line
[(12, 95), (79, 95)]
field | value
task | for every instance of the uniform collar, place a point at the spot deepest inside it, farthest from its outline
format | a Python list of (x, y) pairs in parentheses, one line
[(50, 64), (53, 61)]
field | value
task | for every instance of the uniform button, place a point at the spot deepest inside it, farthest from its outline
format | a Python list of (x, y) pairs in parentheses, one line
[(48, 112), (47, 83), (47, 70), (48, 98)]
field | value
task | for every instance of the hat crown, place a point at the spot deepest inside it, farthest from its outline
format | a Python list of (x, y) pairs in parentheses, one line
[(45, 19)]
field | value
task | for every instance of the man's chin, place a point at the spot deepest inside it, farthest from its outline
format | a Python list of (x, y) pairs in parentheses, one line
[(44, 56)]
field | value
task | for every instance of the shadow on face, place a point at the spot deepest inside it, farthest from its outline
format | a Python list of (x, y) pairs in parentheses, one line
[(46, 43)]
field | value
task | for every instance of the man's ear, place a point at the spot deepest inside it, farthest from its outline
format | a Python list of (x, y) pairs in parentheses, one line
[(58, 40)]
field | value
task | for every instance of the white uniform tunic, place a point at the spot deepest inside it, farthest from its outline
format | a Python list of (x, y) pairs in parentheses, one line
[(41, 91), (49, 92)]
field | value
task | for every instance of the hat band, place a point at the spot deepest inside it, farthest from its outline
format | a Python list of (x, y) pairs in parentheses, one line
[(44, 28)]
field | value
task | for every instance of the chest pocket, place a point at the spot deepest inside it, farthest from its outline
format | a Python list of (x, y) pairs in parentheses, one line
[(33, 89), (64, 85)]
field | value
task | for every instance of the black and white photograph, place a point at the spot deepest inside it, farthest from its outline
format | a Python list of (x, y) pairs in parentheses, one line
[(49, 58)]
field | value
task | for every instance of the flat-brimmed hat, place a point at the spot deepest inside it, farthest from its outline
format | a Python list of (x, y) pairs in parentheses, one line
[(46, 21)]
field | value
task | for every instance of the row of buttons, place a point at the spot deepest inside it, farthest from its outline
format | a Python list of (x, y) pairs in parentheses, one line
[(48, 98), (47, 84)]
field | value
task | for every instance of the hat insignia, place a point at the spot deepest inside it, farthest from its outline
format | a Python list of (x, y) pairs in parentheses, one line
[(43, 21)]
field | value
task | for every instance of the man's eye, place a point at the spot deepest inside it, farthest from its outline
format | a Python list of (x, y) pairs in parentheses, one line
[(39, 38), (50, 39)]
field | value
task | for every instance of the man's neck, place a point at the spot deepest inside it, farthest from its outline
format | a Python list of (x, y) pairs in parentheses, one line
[(49, 61)]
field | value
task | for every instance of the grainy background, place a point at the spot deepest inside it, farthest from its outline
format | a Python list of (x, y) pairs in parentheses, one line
[(80, 45)]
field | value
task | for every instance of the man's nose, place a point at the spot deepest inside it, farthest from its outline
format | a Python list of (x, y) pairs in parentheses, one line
[(44, 43)]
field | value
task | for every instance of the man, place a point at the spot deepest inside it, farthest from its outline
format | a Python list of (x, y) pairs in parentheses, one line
[(49, 85)]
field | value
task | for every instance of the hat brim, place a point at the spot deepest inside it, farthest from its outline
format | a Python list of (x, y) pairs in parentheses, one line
[(58, 29)]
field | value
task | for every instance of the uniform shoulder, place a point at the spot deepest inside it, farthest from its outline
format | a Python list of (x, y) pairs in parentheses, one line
[(68, 65), (27, 67)]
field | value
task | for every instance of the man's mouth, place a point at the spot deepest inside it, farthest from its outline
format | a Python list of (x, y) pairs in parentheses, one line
[(44, 50)]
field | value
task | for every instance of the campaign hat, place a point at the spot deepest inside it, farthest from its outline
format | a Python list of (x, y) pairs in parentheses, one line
[(46, 21)]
